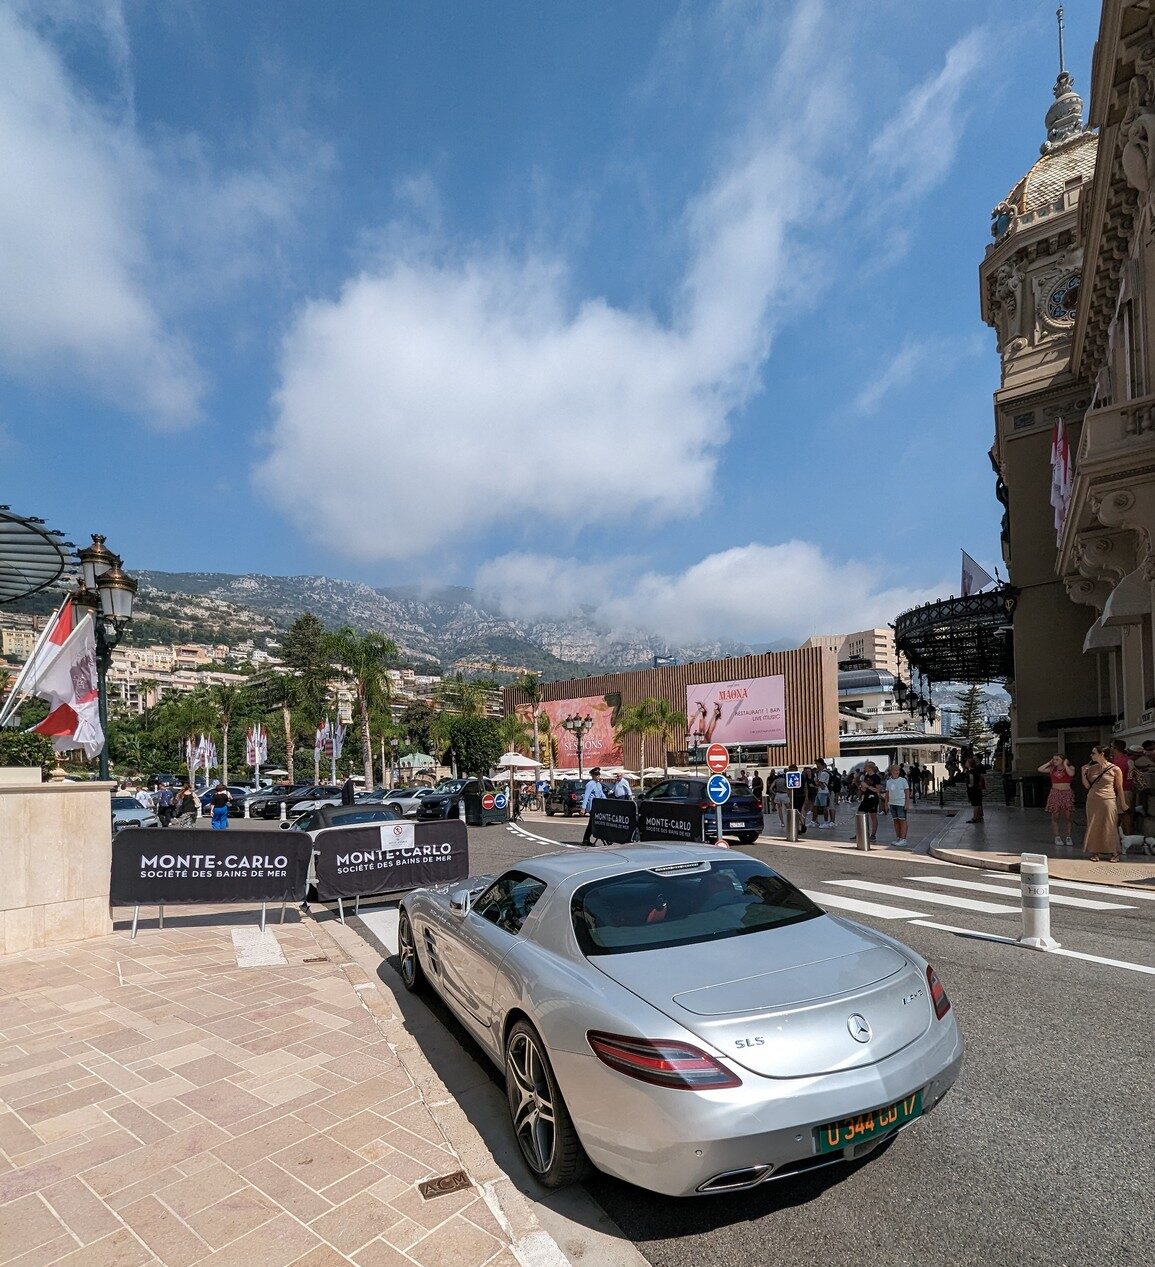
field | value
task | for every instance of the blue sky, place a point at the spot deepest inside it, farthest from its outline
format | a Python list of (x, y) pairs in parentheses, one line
[(669, 310)]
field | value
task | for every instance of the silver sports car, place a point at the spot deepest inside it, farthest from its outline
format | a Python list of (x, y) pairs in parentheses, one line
[(683, 1019)]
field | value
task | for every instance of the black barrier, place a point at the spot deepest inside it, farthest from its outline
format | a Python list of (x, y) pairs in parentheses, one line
[(661, 820), (153, 866), (393, 857), (476, 815), (614, 820)]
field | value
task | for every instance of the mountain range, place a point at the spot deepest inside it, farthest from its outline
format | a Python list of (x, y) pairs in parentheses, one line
[(448, 626)]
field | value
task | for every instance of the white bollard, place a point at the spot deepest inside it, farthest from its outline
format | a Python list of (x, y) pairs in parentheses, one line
[(862, 832), (284, 811), (1036, 898), (791, 826)]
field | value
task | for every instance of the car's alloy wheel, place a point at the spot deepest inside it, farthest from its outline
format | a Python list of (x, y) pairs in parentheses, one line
[(412, 973), (541, 1121)]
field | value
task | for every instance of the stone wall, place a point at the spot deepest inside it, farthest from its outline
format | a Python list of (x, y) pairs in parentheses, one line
[(55, 859)]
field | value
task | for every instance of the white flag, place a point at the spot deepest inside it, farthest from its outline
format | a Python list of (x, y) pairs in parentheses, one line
[(52, 638), (338, 739), (69, 684), (974, 577)]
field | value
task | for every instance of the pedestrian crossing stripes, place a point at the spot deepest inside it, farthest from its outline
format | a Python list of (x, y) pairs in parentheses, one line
[(1057, 899), (935, 899), (1138, 895), (857, 906)]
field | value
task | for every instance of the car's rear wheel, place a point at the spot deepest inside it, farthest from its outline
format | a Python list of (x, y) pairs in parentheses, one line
[(541, 1122), (412, 973), (569, 811), (549, 811), (747, 837)]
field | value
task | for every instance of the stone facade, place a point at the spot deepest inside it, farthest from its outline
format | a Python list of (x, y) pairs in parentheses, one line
[(1065, 285)]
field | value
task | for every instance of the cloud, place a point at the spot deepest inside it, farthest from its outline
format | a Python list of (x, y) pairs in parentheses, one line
[(753, 593), (486, 372), (105, 235), (931, 357)]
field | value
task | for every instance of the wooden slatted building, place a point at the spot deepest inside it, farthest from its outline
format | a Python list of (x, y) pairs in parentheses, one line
[(811, 699)]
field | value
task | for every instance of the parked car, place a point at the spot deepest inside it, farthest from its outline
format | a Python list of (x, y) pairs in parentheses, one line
[(741, 814), (316, 820), (407, 799), (269, 805), (684, 1020), (565, 797), (127, 811), (239, 794), (163, 780), (445, 800)]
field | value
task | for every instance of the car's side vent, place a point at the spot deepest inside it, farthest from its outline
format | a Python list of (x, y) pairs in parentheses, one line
[(432, 952)]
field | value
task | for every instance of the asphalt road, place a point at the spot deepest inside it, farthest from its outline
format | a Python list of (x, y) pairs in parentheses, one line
[(1044, 1152)]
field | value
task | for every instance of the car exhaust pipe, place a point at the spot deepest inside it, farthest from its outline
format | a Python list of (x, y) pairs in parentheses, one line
[(736, 1180)]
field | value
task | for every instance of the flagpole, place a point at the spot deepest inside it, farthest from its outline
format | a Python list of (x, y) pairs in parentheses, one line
[(333, 751)]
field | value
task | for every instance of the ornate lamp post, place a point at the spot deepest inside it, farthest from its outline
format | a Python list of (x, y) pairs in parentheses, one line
[(579, 727), (108, 593)]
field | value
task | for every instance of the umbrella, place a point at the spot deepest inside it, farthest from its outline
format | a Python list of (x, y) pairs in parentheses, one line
[(515, 761)]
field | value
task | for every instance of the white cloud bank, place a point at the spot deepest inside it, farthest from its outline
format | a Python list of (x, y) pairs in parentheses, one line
[(751, 593), (488, 370), (106, 234)]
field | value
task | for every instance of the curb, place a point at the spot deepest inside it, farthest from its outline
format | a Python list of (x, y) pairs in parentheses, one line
[(968, 858), (529, 1243)]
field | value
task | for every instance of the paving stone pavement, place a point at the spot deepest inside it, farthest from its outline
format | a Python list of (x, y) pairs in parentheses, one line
[(161, 1104)]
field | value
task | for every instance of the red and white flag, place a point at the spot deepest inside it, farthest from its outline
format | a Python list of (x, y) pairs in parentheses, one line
[(69, 684), (1062, 475), (52, 638)]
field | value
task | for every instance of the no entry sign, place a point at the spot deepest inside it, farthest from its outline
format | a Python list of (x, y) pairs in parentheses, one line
[(717, 758), (487, 801)]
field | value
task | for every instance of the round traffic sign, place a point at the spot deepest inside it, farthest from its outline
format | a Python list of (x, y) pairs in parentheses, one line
[(717, 758), (718, 789), (500, 801), (487, 800)]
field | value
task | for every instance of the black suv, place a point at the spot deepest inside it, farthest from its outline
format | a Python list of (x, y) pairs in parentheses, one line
[(741, 814), (445, 802), (268, 804), (565, 797)]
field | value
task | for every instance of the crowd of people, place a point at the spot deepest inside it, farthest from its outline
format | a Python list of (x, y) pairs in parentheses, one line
[(822, 788), (1120, 786)]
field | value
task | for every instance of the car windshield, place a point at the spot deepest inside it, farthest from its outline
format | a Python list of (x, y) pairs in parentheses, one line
[(683, 905), (126, 802), (451, 785)]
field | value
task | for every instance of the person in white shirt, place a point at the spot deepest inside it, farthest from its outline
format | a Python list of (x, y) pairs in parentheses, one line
[(897, 800), (821, 811), (593, 791), (622, 788)]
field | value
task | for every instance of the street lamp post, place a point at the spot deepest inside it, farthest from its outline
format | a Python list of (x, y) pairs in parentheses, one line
[(579, 726), (108, 593)]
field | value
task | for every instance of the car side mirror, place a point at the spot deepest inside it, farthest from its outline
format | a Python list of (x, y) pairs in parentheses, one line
[(460, 901), (284, 826)]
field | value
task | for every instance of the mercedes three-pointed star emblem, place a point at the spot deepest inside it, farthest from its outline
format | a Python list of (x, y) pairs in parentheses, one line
[(859, 1028)]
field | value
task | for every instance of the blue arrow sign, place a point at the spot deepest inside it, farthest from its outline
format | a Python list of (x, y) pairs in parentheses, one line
[(500, 801), (718, 789)]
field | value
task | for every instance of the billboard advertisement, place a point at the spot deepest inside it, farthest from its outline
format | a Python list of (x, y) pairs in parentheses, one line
[(599, 747), (749, 711)]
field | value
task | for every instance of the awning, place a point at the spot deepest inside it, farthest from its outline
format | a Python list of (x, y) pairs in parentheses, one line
[(1101, 639), (1129, 601), (32, 557), (967, 639)]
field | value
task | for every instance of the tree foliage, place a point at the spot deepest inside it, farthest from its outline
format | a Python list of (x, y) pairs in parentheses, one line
[(476, 743), (18, 748), (972, 729)]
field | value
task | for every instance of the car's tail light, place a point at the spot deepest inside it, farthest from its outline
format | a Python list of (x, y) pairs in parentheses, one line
[(664, 1063), (758, 804), (705, 804), (937, 993)]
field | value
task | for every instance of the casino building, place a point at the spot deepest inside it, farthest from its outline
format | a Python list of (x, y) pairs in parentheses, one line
[(1066, 284)]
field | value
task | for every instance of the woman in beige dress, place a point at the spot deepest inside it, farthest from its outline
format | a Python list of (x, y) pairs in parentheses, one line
[(1104, 784)]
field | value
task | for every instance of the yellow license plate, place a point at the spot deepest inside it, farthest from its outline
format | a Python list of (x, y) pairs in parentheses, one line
[(854, 1130)]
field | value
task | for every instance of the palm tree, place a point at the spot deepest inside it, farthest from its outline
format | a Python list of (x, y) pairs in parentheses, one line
[(666, 719), (228, 698), (637, 719), (273, 691), (513, 732), (530, 685), (366, 660)]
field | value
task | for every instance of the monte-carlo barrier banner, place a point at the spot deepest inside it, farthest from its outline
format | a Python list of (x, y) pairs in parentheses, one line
[(749, 711), (389, 857), (152, 866)]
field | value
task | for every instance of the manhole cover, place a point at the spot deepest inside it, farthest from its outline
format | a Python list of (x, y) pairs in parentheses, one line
[(443, 1185)]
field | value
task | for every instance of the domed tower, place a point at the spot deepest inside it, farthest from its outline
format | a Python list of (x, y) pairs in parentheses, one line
[(1029, 290)]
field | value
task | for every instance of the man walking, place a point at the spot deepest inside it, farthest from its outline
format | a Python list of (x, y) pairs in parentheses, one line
[(348, 793), (622, 789), (593, 791), (897, 801)]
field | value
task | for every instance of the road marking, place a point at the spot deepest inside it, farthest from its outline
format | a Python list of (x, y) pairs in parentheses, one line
[(1057, 899), (965, 932), (936, 899), (1141, 895), (860, 907), (1113, 963), (543, 840)]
